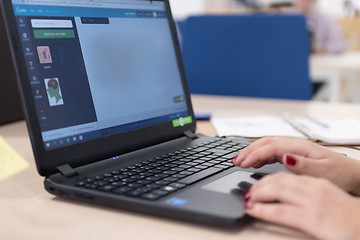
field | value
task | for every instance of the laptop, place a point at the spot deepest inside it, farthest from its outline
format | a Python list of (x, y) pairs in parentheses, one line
[(109, 112), (10, 103)]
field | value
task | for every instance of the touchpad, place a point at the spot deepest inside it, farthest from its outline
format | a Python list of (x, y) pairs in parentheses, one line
[(229, 183)]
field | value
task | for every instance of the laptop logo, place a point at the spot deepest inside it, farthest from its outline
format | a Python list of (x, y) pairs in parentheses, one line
[(177, 202), (180, 122)]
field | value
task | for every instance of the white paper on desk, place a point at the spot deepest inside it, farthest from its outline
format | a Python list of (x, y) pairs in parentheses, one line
[(338, 131), (255, 127)]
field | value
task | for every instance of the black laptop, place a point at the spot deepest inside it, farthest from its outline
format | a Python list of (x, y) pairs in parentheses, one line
[(109, 112), (10, 104)]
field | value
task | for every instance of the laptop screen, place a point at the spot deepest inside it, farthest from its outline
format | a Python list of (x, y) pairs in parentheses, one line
[(99, 68)]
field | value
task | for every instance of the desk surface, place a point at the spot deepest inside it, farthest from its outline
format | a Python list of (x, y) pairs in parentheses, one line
[(29, 212)]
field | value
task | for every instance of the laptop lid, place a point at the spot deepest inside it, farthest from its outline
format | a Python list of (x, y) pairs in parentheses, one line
[(98, 78), (10, 104)]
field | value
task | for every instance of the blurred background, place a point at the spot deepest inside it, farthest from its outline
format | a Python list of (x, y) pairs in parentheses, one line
[(334, 28)]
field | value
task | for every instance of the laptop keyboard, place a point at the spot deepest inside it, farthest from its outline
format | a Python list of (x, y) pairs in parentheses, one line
[(160, 176)]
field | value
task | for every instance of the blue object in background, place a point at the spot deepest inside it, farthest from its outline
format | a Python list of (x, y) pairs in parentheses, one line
[(247, 55)]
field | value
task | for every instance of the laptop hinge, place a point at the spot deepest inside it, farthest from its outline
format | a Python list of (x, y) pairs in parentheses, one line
[(190, 135), (67, 170)]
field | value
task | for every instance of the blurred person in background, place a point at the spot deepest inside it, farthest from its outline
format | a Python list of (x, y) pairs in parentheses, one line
[(326, 34)]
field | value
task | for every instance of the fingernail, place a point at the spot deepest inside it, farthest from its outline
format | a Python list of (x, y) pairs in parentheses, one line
[(290, 160), (234, 159), (247, 194), (248, 204)]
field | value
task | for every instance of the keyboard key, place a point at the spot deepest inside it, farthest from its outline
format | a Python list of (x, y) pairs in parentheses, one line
[(162, 182), (170, 179), (134, 185), (168, 188), (186, 173), (231, 155), (144, 181), (153, 178), (122, 190), (177, 185), (150, 196), (223, 167), (160, 192), (119, 183), (107, 188)]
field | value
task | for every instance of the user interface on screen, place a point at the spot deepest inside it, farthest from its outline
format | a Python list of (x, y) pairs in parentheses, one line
[(100, 67)]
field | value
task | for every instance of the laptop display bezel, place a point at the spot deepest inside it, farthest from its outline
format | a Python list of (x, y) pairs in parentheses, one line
[(88, 152)]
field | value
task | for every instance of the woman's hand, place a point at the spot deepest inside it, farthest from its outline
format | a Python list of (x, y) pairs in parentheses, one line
[(303, 157), (310, 204)]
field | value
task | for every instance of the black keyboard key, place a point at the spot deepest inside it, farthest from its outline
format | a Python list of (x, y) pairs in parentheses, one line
[(134, 193), (227, 164), (194, 169), (101, 183), (161, 175), (134, 185), (223, 167), (162, 182), (178, 176), (198, 161), (186, 173), (107, 188), (160, 192), (81, 184), (154, 171), (138, 177), (122, 190), (139, 191), (169, 189), (201, 167), (231, 155), (177, 169), (153, 178), (200, 175), (153, 186), (144, 181), (128, 180), (91, 186), (150, 196), (170, 179), (119, 183), (146, 174), (169, 172), (200, 149), (215, 161), (219, 152), (177, 185)]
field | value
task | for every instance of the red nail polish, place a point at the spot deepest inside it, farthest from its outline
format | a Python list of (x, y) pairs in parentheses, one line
[(234, 159), (290, 160)]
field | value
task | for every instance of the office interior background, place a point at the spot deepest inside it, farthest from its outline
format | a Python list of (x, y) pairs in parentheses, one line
[(336, 76)]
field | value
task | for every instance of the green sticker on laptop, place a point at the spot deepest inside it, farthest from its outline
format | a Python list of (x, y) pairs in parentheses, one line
[(182, 121)]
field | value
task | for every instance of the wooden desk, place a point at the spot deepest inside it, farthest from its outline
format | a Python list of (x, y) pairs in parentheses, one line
[(28, 212)]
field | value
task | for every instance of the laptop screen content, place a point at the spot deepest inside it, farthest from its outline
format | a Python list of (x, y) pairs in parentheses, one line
[(99, 68)]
